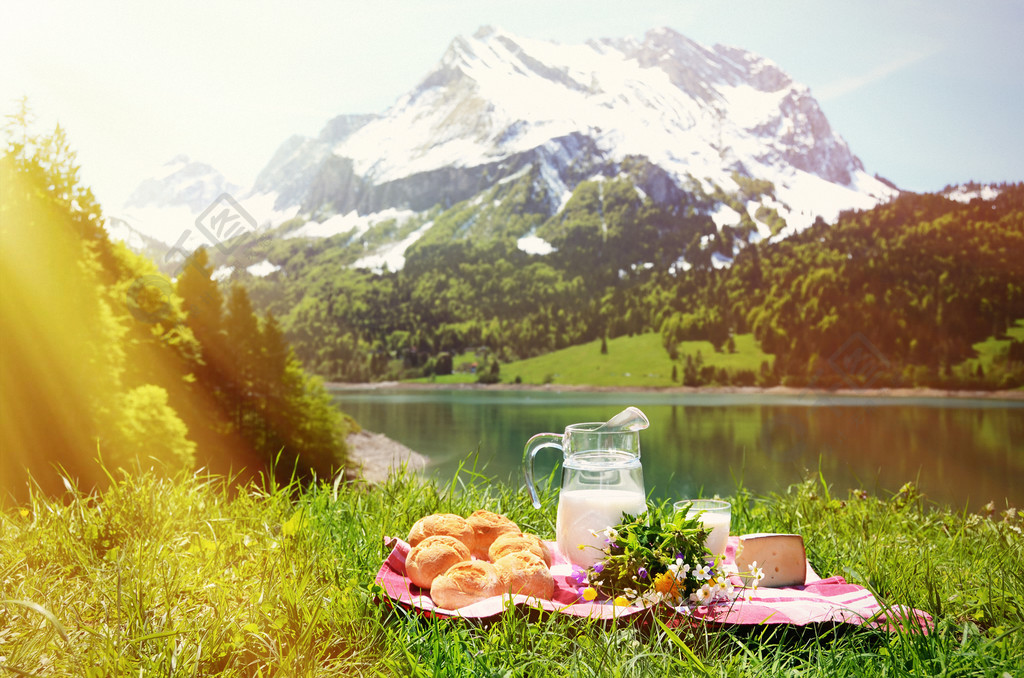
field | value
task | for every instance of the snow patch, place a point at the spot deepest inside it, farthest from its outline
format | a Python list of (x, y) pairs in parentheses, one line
[(393, 256), (819, 197), (345, 223), (720, 261), (725, 216), (262, 269), (532, 244), (965, 194)]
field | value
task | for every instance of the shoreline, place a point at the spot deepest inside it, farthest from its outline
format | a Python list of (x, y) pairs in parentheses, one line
[(375, 456), (1015, 395)]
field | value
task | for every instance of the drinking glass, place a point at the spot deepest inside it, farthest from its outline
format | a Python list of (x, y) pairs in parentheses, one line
[(715, 514)]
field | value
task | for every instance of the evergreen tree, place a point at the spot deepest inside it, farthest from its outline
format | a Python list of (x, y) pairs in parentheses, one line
[(201, 298)]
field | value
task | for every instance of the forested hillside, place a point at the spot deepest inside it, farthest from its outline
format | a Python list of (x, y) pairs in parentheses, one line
[(105, 358), (912, 283)]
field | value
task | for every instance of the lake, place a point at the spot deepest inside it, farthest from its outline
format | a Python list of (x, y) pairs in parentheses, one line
[(960, 452)]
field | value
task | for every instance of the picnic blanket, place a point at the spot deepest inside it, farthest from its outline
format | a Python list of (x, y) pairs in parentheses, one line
[(829, 600)]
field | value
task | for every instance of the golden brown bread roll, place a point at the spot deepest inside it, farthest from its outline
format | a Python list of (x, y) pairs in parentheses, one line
[(510, 542), (432, 557), (524, 572), (442, 523), (487, 527), (466, 583)]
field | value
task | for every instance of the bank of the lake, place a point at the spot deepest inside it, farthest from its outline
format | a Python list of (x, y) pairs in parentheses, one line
[(1016, 395), (375, 456)]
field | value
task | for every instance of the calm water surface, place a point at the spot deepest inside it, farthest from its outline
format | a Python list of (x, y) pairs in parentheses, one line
[(959, 451)]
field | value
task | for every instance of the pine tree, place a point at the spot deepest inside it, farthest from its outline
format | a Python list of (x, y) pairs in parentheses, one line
[(241, 342), (201, 298)]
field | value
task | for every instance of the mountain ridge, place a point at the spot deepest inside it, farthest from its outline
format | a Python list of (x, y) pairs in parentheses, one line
[(496, 103)]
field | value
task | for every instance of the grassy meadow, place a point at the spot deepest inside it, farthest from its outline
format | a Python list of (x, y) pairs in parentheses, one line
[(631, 361), (190, 576)]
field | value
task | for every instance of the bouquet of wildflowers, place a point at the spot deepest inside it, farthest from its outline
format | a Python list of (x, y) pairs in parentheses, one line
[(652, 559)]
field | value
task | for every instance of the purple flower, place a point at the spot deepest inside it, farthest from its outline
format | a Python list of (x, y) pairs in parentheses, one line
[(598, 566), (678, 556), (579, 575), (642, 572)]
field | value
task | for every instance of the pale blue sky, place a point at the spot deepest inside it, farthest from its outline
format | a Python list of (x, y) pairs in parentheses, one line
[(926, 92)]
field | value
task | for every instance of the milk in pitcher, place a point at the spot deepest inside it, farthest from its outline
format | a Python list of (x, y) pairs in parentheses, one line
[(582, 512)]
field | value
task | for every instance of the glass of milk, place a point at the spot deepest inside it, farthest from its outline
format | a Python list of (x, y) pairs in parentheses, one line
[(713, 513)]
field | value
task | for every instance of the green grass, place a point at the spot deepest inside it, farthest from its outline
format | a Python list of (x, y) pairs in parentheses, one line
[(189, 576), (640, 360)]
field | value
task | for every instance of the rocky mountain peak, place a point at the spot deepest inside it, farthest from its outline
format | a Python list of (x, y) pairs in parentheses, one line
[(497, 105)]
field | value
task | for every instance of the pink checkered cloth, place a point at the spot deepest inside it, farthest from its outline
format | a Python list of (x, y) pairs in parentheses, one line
[(819, 600)]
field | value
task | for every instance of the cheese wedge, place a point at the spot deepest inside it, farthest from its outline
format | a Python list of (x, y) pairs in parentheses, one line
[(780, 556)]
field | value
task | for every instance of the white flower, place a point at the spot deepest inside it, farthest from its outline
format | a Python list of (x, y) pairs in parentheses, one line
[(698, 595), (702, 573), (612, 533)]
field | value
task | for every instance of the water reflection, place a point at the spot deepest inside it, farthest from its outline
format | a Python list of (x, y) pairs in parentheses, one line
[(960, 452)]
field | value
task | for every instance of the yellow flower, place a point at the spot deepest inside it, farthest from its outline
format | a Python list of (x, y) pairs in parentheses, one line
[(621, 601), (589, 594), (24, 513), (667, 585), (581, 547)]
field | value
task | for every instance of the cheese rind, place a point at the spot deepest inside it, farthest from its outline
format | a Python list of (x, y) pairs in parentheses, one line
[(781, 557)]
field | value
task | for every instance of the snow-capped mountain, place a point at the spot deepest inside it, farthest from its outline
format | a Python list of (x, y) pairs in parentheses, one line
[(496, 103), (181, 181), (498, 107), (161, 214)]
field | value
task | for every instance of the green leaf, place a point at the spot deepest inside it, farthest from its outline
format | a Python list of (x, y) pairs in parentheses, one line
[(692, 660), (43, 611)]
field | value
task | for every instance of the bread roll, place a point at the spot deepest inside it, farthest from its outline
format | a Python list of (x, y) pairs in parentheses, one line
[(487, 527), (442, 523), (466, 583), (510, 542), (525, 573), (432, 557)]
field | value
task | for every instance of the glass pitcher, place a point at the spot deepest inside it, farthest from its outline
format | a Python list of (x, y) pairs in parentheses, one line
[(601, 479)]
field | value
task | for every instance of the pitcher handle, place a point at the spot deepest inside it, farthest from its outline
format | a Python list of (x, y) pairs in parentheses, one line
[(534, 445)]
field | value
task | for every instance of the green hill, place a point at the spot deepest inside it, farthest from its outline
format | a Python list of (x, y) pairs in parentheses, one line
[(639, 360)]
